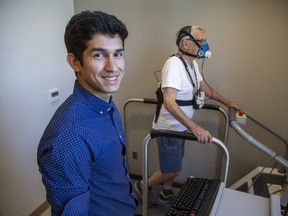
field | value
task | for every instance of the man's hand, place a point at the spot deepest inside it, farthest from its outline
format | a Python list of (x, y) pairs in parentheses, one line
[(203, 136), (233, 104)]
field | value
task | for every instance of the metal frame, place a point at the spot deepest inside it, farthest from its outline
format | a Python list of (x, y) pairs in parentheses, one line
[(253, 141), (264, 149), (187, 136), (271, 132), (154, 101), (229, 120), (181, 135)]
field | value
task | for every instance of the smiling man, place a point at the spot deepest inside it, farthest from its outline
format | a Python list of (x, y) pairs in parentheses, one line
[(82, 153)]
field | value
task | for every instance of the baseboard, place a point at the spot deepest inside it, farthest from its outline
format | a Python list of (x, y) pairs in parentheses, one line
[(41, 209)]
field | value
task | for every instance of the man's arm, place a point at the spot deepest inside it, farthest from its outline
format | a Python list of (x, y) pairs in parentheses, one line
[(210, 92), (169, 95), (64, 163)]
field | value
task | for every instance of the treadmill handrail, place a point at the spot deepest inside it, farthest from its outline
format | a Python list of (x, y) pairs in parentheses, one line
[(253, 141), (271, 132), (154, 101), (175, 134)]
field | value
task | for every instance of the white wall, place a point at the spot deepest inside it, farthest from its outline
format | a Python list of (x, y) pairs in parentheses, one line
[(249, 64), (32, 61)]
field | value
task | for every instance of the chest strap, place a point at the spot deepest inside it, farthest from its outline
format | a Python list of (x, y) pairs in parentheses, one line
[(160, 100)]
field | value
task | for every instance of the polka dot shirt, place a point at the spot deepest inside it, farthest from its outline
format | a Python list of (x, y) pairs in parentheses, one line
[(82, 159)]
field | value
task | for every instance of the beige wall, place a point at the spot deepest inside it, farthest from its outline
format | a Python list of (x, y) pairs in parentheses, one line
[(32, 61), (249, 64)]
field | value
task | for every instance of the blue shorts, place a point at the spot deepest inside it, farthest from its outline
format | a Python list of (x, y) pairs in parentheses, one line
[(171, 153)]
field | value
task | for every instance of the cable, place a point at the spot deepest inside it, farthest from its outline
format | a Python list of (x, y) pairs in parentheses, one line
[(286, 211), (155, 72), (255, 179), (272, 171), (277, 191), (202, 73), (259, 174)]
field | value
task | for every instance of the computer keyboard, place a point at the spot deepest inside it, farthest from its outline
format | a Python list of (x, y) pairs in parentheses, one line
[(195, 198)]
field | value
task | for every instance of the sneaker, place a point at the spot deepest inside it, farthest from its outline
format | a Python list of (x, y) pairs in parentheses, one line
[(167, 199), (152, 201)]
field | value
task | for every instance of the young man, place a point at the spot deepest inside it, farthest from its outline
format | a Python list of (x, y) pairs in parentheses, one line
[(81, 154), (181, 83)]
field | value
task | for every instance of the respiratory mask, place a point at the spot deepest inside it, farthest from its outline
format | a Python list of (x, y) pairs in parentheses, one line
[(204, 50)]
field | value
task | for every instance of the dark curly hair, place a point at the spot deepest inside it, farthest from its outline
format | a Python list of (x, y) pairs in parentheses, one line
[(83, 26)]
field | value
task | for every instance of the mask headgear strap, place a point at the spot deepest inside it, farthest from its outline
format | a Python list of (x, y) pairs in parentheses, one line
[(183, 33), (188, 54)]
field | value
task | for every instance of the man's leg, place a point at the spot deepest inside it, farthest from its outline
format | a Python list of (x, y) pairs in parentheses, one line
[(171, 152), (159, 177)]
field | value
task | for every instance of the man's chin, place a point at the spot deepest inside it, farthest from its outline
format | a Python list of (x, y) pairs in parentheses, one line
[(112, 90)]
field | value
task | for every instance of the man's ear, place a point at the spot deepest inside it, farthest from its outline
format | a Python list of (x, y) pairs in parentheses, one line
[(185, 43), (73, 62)]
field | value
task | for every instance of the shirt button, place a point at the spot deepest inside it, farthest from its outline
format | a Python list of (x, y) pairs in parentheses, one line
[(120, 136), (101, 112)]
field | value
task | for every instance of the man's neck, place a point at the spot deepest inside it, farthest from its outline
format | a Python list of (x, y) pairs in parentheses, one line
[(188, 59)]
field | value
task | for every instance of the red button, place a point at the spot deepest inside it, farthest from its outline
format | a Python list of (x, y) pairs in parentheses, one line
[(241, 113)]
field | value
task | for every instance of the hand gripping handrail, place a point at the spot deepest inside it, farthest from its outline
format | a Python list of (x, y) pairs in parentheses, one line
[(181, 135), (154, 101), (253, 141)]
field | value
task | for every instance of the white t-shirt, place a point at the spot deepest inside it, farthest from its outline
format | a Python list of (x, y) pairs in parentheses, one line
[(174, 75)]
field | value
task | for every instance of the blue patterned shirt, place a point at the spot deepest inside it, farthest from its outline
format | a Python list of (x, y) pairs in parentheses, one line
[(82, 159)]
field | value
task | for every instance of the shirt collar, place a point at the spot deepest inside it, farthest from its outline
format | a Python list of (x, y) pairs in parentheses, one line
[(95, 103)]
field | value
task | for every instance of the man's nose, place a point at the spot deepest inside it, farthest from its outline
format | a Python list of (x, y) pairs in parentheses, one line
[(111, 65)]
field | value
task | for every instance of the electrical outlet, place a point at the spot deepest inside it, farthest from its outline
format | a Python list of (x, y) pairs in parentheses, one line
[(135, 155)]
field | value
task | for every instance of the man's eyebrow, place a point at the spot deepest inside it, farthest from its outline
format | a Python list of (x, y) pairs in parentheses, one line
[(96, 49)]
